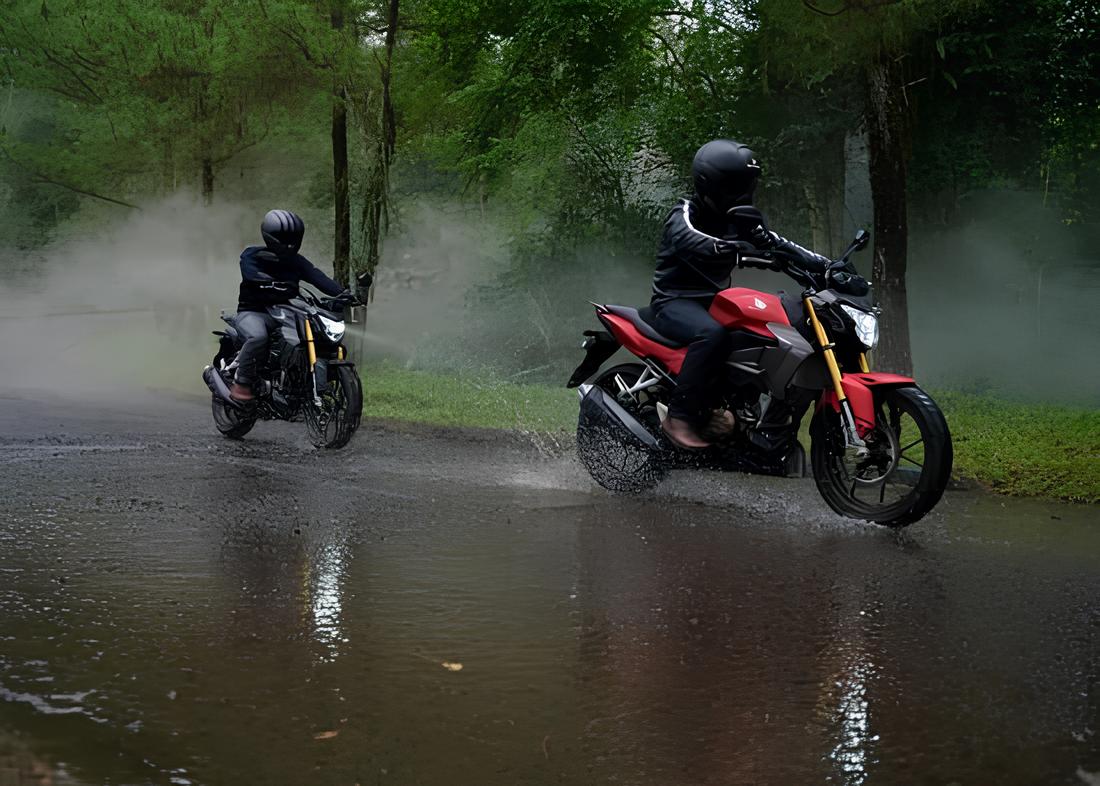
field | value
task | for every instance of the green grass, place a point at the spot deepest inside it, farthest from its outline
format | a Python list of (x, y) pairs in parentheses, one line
[(390, 391), (1014, 448), (1025, 449)]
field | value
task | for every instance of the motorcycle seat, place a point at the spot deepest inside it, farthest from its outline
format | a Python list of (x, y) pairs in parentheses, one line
[(637, 318)]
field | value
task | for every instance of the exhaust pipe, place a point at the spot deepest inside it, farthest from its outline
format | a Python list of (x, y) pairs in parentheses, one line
[(217, 386)]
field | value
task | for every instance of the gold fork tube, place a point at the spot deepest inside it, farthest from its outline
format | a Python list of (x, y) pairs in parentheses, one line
[(309, 346), (826, 350)]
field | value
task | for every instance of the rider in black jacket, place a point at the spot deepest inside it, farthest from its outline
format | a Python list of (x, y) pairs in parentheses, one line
[(695, 261), (269, 276)]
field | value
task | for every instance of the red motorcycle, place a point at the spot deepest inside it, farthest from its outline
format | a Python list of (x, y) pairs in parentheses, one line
[(880, 447)]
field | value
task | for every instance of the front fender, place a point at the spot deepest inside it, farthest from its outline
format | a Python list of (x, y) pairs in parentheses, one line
[(858, 390)]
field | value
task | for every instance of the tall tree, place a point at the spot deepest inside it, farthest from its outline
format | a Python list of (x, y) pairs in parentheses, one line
[(871, 42)]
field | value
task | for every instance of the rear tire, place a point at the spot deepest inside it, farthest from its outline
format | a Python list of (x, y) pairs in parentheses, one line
[(615, 463), (334, 424), (911, 457)]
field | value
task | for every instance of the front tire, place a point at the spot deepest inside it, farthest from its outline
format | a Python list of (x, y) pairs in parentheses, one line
[(333, 423), (905, 472)]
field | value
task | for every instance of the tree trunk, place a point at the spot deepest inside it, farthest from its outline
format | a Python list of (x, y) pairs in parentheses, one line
[(888, 138), (342, 234), (342, 204), (375, 196), (824, 194), (207, 181), (389, 121)]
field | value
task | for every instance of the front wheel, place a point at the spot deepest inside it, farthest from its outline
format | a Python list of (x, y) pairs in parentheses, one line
[(333, 423), (903, 471)]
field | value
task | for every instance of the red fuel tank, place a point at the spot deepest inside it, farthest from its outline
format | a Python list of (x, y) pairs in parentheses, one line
[(746, 309)]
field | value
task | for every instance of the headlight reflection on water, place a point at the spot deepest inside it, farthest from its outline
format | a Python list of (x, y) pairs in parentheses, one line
[(326, 598), (851, 752)]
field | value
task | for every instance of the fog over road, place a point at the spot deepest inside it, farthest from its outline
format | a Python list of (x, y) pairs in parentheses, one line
[(460, 607)]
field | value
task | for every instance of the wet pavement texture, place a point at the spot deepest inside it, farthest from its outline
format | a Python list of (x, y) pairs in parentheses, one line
[(461, 607)]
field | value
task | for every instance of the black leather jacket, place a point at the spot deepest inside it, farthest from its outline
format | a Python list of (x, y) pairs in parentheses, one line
[(696, 260), (261, 270)]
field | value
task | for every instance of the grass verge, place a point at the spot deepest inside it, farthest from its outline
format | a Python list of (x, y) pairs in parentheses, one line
[(1034, 450), (390, 391), (1014, 448)]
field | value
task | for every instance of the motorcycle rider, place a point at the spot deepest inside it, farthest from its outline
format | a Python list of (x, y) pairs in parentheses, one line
[(269, 276), (695, 260)]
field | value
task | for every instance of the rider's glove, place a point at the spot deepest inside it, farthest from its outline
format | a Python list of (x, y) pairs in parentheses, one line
[(762, 238)]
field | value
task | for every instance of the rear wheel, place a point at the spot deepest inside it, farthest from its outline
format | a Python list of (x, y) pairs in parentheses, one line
[(333, 423), (904, 470), (612, 458)]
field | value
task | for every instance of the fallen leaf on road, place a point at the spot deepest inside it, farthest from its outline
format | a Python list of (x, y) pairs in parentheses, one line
[(325, 735), (451, 666)]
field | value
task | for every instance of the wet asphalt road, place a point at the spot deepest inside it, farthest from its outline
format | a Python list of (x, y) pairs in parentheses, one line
[(432, 607)]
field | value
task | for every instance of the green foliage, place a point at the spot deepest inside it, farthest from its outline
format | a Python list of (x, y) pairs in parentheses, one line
[(149, 97)]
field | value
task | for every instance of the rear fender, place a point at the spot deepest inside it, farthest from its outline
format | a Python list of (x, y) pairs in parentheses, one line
[(227, 344), (858, 388), (599, 345)]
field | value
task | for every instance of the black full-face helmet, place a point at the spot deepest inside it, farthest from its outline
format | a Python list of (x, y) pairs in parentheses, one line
[(725, 174), (283, 232)]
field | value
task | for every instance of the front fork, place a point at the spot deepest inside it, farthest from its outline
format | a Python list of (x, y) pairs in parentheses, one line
[(311, 351), (851, 436)]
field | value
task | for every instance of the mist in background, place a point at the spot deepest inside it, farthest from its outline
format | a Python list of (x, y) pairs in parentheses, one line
[(1002, 301)]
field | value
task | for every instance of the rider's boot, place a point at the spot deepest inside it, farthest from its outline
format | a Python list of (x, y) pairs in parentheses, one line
[(720, 424), (241, 393), (683, 434)]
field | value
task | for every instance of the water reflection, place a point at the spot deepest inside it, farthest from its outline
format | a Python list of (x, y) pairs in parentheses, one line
[(853, 750), (323, 580), (603, 641), (709, 659)]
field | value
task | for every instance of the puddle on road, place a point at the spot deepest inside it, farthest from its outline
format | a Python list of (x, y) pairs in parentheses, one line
[(529, 636)]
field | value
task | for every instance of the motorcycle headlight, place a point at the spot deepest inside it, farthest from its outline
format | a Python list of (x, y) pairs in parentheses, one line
[(334, 329), (866, 325)]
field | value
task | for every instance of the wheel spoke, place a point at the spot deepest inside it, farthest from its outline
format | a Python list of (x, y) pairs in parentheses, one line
[(912, 444), (917, 463)]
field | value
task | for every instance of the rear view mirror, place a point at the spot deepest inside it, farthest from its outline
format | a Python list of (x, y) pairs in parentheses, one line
[(863, 237), (363, 283)]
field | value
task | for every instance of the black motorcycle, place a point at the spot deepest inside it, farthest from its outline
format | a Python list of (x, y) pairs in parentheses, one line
[(306, 375)]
